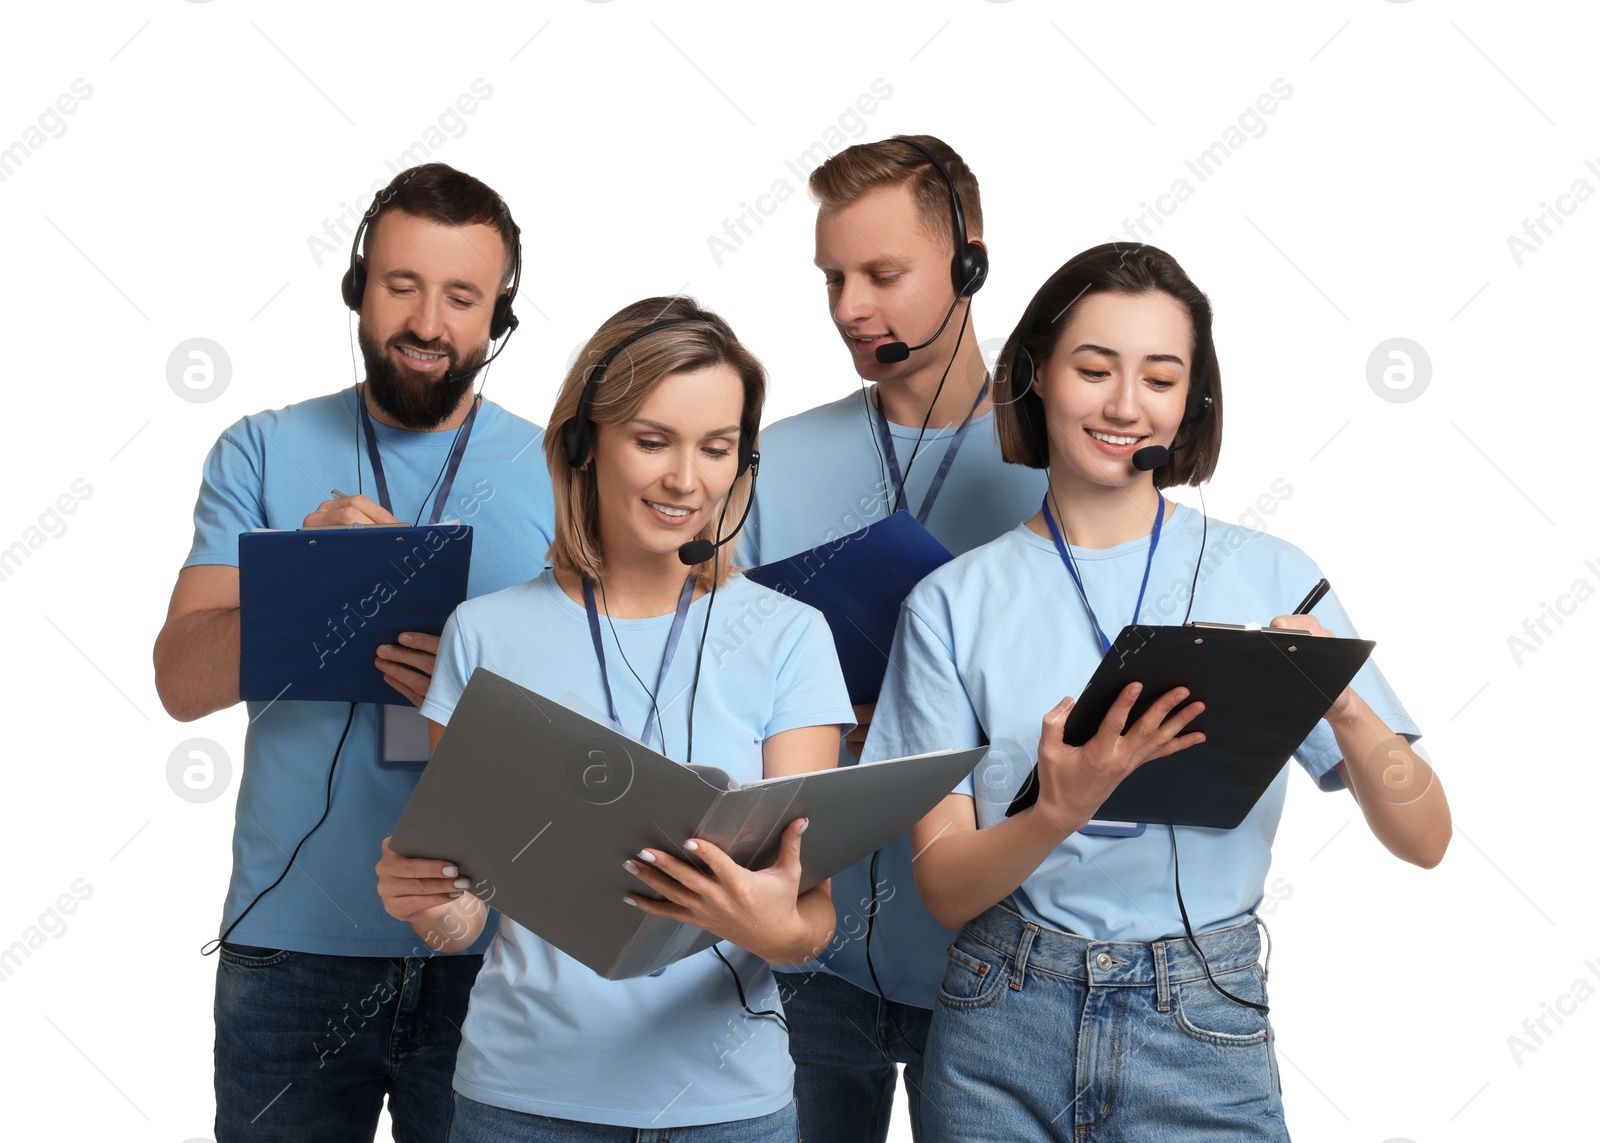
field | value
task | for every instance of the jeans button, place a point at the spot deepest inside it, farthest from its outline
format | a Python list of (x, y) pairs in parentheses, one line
[(1103, 961)]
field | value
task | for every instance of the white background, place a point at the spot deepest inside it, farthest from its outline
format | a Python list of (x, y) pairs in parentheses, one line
[(1376, 203)]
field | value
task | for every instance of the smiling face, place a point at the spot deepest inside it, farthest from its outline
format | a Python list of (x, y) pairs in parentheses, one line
[(425, 313), (888, 280), (661, 477), (1115, 382)]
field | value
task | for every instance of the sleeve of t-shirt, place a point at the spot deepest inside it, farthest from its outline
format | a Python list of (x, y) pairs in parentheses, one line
[(1319, 753), (452, 666), (230, 500), (923, 706), (811, 690)]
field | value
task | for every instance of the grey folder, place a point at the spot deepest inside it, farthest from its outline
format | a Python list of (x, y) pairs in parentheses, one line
[(540, 806)]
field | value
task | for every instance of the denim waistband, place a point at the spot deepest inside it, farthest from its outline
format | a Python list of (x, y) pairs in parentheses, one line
[(1035, 948)]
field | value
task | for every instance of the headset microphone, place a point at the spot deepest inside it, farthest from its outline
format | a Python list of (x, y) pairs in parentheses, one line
[(700, 551), (1151, 457)]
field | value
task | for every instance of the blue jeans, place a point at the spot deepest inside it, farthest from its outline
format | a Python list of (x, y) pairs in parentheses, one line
[(308, 1045), (846, 1042), (483, 1123), (1039, 1034)]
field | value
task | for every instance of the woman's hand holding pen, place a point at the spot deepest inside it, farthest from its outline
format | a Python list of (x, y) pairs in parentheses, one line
[(1308, 623), (1074, 781)]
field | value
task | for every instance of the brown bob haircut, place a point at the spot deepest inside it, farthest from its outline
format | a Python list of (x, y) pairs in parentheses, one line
[(1112, 268), (449, 197), (865, 167), (704, 341)]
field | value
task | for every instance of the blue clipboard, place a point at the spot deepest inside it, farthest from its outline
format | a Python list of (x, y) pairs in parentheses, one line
[(858, 583), (316, 604)]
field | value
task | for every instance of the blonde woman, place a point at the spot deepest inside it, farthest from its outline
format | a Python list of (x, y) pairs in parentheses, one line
[(651, 451)]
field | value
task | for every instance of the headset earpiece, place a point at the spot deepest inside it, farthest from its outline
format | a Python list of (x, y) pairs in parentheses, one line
[(575, 442), (354, 282), (970, 268), (1021, 373), (504, 320)]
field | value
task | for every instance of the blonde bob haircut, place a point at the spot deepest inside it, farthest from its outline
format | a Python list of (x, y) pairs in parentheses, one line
[(703, 341)]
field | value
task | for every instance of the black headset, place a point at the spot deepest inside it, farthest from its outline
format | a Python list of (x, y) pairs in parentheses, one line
[(1197, 406), (969, 268), (354, 283), (577, 435)]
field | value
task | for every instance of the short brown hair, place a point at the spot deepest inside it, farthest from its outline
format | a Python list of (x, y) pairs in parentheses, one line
[(439, 192), (704, 341), (865, 167), (1112, 268)]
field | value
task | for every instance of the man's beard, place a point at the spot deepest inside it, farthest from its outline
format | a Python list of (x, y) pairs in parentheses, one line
[(414, 400)]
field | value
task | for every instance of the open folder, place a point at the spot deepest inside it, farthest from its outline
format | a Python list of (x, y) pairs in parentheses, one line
[(858, 583), (1264, 690), (540, 806), (315, 605)]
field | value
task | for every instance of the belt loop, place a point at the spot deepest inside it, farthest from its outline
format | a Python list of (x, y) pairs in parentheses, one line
[(1158, 954), (1024, 947)]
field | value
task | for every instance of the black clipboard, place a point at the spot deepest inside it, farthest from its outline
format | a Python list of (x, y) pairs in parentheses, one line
[(315, 605), (1264, 690)]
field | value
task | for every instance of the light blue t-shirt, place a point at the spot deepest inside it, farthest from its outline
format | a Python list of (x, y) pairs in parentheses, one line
[(548, 1036), (271, 470), (988, 644), (823, 476)]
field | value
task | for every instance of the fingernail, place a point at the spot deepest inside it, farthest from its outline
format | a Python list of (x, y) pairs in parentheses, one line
[(646, 855), (462, 883), (405, 636), (691, 845), (631, 867), (630, 901), (449, 871), (805, 824), (455, 894)]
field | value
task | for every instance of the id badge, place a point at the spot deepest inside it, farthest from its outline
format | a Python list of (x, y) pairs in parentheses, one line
[(1099, 828), (404, 738)]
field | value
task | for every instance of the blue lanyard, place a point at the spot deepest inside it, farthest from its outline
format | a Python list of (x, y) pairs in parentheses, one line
[(684, 600), (452, 463), (944, 468), (1066, 558)]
